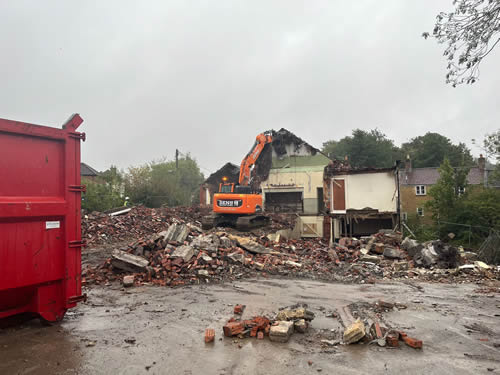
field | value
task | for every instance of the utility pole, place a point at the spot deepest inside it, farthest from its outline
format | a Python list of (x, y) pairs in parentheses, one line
[(176, 159)]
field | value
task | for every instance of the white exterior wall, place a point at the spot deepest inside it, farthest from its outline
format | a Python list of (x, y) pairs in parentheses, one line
[(377, 190), (297, 179)]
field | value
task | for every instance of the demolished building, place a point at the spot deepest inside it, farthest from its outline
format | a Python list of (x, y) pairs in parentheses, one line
[(360, 201), (290, 174)]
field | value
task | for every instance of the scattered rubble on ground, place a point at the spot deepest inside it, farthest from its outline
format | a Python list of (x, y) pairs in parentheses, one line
[(169, 248), (364, 324), (279, 329)]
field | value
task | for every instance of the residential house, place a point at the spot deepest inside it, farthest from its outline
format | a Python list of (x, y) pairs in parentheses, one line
[(415, 184), (360, 201), (86, 171)]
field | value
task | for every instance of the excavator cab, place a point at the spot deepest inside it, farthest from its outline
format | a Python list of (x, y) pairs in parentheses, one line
[(226, 187)]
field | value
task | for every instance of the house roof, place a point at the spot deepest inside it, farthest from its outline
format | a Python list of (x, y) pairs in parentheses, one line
[(229, 170), (87, 170), (429, 176)]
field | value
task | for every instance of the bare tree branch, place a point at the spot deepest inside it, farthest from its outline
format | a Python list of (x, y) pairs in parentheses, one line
[(467, 32)]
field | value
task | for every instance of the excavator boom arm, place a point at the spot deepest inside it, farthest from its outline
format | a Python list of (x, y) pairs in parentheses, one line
[(249, 160)]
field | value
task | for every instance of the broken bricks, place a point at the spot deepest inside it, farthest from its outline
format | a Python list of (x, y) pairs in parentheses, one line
[(355, 332), (128, 281), (281, 331), (300, 326), (238, 309), (209, 335), (414, 343), (295, 314)]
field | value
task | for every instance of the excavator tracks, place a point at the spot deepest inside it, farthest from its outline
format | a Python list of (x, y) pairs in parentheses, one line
[(241, 223)]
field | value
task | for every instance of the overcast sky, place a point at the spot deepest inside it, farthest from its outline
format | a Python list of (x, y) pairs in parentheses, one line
[(207, 76)]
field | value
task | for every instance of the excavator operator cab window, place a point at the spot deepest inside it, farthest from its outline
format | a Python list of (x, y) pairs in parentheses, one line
[(226, 188)]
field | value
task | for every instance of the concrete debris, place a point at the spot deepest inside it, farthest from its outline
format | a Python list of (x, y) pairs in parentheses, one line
[(355, 332), (128, 281), (300, 326), (295, 314), (392, 253), (370, 258), (237, 257), (281, 331), (177, 233), (128, 262), (208, 243), (250, 245), (330, 342), (481, 265), (185, 252)]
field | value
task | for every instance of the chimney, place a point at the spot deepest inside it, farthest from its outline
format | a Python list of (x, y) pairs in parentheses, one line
[(481, 163), (408, 164)]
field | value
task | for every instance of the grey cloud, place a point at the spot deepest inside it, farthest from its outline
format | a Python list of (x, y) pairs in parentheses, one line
[(206, 77)]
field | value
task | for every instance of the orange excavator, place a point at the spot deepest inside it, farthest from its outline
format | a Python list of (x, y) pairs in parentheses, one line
[(238, 205)]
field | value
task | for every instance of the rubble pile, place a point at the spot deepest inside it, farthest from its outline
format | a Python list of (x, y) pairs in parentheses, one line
[(364, 323), (287, 321), (181, 253), (99, 228)]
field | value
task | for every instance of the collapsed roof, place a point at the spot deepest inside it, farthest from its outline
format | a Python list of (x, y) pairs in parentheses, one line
[(285, 144), (229, 170)]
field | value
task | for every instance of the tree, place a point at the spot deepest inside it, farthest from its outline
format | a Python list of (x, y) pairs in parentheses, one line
[(161, 182), (446, 192), (480, 209), (492, 145), (431, 149), (364, 149), (470, 32), (100, 196)]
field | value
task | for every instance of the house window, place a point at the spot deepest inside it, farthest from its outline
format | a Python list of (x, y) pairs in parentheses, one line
[(420, 189), (420, 211)]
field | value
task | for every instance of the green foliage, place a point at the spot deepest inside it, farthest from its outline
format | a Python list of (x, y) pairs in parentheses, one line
[(445, 193), (469, 216), (159, 183), (431, 149), (492, 145), (422, 230), (100, 196), (364, 149), (480, 208)]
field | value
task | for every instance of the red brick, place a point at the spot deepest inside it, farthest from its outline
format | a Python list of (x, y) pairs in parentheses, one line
[(378, 331), (238, 309), (209, 335), (233, 329), (414, 343), (392, 340)]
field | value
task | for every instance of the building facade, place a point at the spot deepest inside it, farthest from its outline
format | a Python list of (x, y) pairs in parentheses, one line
[(361, 201)]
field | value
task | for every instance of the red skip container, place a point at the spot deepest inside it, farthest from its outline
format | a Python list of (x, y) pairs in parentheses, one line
[(40, 230)]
